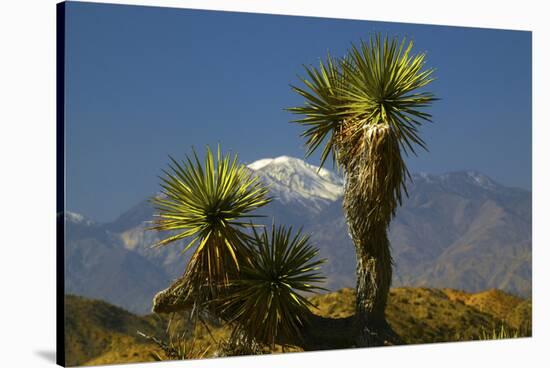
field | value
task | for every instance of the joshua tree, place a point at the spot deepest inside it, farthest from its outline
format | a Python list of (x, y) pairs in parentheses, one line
[(366, 108), (265, 301), (251, 280), (210, 205)]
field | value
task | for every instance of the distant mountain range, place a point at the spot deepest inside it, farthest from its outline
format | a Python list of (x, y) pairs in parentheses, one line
[(459, 230)]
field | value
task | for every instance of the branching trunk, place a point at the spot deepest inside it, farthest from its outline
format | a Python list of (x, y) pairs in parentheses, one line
[(374, 172), (319, 333)]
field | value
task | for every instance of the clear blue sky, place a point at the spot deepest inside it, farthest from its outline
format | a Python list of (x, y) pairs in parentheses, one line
[(144, 83)]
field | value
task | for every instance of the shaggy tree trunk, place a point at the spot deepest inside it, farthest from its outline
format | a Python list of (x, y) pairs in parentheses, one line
[(374, 274), (374, 177)]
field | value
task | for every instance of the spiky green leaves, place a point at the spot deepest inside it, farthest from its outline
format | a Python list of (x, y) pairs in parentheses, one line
[(375, 83), (383, 79), (324, 109), (266, 299), (210, 203), (252, 279)]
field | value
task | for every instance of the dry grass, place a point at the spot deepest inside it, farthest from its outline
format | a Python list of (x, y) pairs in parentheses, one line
[(107, 335)]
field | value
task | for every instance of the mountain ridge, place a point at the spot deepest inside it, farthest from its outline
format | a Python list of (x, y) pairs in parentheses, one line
[(460, 229)]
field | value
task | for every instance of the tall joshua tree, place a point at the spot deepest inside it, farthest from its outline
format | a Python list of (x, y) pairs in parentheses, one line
[(366, 108)]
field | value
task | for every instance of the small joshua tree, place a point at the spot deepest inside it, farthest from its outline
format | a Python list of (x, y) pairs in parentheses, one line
[(249, 279), (210, 204), (366, 109), (265, 301)]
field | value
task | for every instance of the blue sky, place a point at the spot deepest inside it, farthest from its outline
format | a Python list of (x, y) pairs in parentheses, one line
[(143, 83)]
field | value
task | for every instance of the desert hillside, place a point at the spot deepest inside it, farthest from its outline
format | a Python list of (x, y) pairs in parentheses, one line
[(100, 333)]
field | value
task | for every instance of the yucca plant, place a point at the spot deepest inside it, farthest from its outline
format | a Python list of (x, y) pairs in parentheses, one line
[(498, 333), (210, 205), (366, 108), (266, 301)]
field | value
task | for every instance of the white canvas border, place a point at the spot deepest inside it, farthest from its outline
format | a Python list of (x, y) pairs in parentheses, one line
[(27, 151)]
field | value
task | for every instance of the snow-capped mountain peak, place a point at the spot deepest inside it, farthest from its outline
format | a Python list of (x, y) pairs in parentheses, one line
[(292, 179), (77, 218), (481, 180)]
